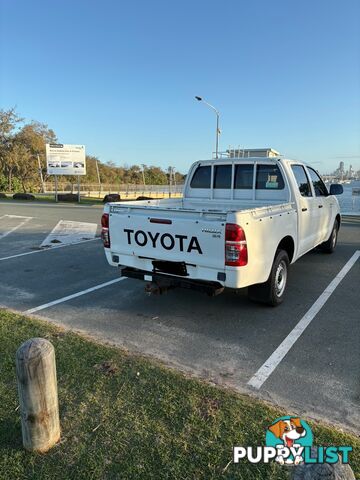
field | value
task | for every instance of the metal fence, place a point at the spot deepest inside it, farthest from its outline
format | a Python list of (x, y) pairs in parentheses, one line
[(125, 190)]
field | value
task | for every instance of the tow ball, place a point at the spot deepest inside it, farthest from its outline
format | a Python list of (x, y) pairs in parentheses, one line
[(154, 288)]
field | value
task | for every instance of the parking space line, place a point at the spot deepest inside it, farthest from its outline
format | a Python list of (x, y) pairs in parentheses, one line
[(74, 295), (15, 216), (70, 231), (276, 357), (26, 219), (47, 249)]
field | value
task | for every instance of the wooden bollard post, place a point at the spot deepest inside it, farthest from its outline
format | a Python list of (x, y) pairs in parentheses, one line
[(36, 379)]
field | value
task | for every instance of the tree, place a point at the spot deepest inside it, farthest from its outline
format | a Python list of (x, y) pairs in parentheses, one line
[(8, 123), (155, 176), (21, 163), (33, 136), (9, 120), (91, 171), (134, 174)]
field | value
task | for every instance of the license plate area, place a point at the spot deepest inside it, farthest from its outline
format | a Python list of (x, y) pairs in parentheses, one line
[(173, 268)]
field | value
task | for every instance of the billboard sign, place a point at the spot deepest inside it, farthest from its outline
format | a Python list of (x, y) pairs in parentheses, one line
[(63, 159)]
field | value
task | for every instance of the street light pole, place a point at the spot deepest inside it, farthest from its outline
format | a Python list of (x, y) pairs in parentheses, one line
[(169, 173), (98, 176), (200, 99), (143, 172)]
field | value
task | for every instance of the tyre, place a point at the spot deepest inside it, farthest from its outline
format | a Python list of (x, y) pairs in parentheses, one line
[(330, 245), (272, 291)]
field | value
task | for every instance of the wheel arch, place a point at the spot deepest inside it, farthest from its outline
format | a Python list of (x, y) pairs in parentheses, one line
[(338, 218), (287, 244)]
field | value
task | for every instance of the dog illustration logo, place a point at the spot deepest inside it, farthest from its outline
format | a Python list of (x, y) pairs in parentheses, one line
[(289, 435)]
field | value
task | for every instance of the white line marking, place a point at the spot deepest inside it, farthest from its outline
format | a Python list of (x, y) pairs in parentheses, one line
[(276, 357), (48, 249), (5, 234), (16, 216), (52, 205), (74, 295), (69, 231)]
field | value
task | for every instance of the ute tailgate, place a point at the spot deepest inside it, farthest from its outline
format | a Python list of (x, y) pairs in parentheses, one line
[(178, 236)]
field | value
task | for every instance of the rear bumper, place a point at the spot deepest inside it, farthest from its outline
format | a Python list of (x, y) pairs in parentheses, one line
[(165, 282), (228, 277)]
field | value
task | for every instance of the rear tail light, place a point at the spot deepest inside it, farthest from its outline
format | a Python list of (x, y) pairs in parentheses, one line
[(236, 254), (105, 235)]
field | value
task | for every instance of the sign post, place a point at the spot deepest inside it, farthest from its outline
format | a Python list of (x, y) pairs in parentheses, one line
[(56, 189), (64, 159), (78, 179)]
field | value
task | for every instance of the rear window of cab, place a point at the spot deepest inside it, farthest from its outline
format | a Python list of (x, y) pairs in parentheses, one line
[(268, 177), (201, 177)]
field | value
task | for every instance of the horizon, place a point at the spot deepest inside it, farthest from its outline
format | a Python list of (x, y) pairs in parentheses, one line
[(122, 79)]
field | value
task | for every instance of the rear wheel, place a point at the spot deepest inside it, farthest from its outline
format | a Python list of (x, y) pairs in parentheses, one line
[(272, 291), (330, 245)]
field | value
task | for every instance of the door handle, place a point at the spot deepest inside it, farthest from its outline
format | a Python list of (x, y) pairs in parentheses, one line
[(320, 206), (304, 209)]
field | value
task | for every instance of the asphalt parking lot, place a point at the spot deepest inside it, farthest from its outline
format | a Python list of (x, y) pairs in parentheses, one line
[(225, 339)]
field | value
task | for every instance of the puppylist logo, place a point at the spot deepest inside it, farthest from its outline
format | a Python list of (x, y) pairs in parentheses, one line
[(289, 441), (289, 436)]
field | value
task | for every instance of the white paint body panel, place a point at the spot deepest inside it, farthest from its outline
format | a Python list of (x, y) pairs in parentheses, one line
[(266, 216)]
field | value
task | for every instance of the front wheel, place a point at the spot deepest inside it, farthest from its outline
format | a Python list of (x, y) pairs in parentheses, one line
[(330, 245), (272, 291)]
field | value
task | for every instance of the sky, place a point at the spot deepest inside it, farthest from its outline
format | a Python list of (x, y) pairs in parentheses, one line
[(120, 76)]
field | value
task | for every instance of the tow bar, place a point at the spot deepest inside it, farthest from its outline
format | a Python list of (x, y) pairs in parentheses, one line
[(162, 283)]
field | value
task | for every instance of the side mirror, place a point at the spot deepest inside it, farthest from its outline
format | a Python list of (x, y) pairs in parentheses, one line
[(336, 189)]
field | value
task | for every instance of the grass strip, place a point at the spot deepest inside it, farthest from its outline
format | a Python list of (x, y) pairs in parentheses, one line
[(127, 417)]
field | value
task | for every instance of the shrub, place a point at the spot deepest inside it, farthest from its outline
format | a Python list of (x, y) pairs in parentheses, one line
[(111, 197), (23, 196), (67, 197)]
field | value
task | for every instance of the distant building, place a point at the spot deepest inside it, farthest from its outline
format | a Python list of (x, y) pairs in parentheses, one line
[(351, 172), (342, 174), (340, 171), (251, 152)]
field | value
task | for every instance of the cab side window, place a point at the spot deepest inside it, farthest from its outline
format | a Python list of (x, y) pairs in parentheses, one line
[(244, 176), (269, 177), (318, 184), (302, 180), (222, 176), (201, 177)]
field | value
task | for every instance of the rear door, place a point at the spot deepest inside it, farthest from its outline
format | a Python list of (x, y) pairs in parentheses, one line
[(308, 215), (177, 236), (324, 204)]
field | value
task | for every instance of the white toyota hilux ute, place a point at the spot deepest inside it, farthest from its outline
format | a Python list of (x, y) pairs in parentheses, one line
[(240, 223)]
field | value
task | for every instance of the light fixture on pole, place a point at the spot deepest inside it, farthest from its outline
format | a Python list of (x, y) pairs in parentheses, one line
[(200, 99)]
